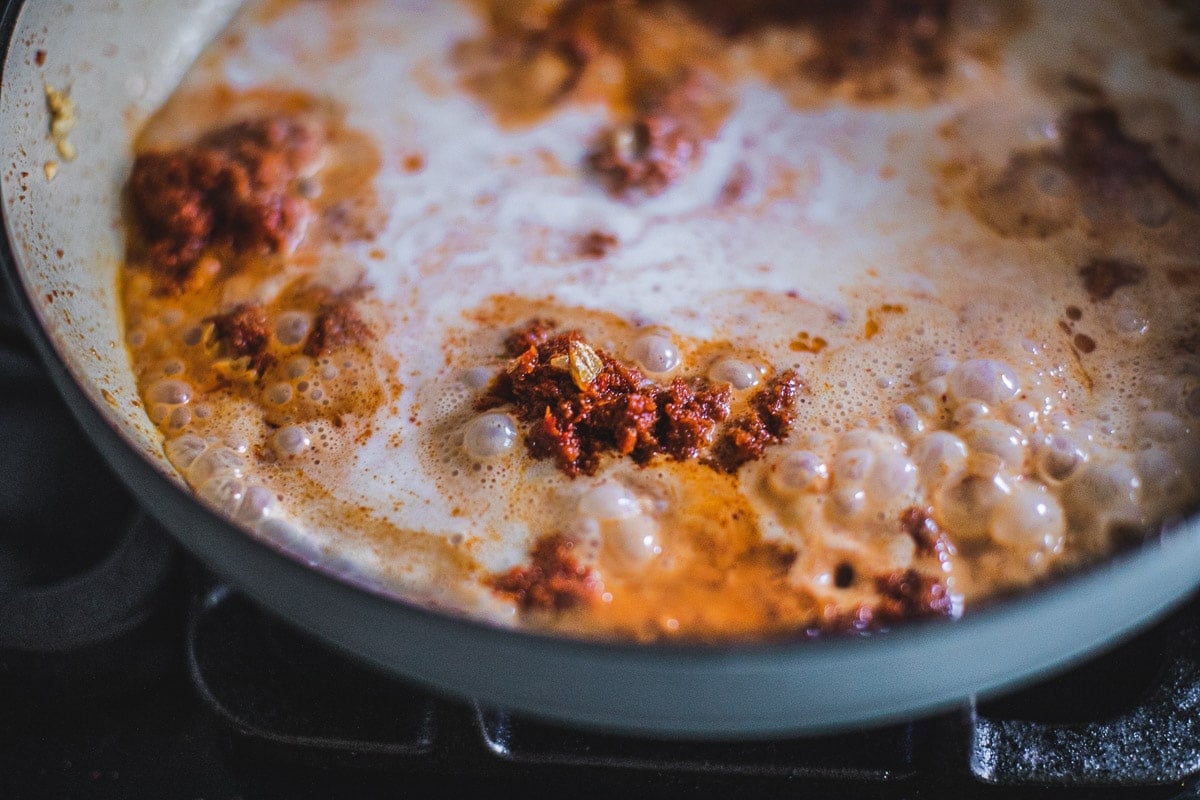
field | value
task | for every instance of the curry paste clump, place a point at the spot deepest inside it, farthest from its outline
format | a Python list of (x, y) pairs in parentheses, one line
[(238, 187), (575, 414)]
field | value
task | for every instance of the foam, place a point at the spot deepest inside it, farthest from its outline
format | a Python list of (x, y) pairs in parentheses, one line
[(944, 380)]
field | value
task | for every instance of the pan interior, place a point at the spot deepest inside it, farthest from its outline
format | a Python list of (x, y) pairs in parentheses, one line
[(66, 232)]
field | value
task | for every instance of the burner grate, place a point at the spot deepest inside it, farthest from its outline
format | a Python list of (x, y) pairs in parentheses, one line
[(871, 756), (280, 689), (1149, 748), (1155, 740)]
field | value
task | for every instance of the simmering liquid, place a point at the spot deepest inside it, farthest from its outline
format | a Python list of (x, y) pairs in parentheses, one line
[(668, 319)]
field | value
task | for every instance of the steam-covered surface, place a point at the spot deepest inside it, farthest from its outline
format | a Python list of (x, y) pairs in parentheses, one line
[(975, 413)]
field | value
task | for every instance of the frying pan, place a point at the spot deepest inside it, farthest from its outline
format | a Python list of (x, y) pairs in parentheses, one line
[(61, 249)]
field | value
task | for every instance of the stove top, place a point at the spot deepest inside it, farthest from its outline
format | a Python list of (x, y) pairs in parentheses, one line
[(128, 671)]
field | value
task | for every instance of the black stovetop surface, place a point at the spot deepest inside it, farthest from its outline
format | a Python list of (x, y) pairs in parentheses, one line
[(127, 671)]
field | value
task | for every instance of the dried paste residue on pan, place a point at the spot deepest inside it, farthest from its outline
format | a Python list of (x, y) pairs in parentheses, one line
[(662, 319)]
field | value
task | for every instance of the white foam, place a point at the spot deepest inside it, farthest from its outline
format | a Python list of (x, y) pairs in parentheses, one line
[(845, 212)]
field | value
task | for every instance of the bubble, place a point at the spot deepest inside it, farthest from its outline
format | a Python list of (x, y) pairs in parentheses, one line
[(291, 327), (1023, 415), (997, 438), (184, 450), (170, 391), (214, 460), (328, 372), (796, 472), (257, 504), (849, 501), (608, 501), (936, 387), (871, 440), (853, 465), (159, 412), (935, 367), (1130, 323), (223, 491), (1105, 492), (490, 435), (939, 457), (1058, 420), (1162, 426), (969, 412), (297, 367), (1059, 456), (656, 353), (291, 440), (734, 371), (181, 417), (476, 377), (907, 420), (1159, 470), (1151, 207), (635, 538), (583, 530), (172, 366), (965, 508), (279, 393), (984, 379), (891, 482), (1029, 519)]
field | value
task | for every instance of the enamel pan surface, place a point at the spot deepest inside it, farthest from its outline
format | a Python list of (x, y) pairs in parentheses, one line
[(60, 252)]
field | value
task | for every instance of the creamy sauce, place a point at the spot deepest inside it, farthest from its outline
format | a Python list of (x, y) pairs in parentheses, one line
[(930, 250)]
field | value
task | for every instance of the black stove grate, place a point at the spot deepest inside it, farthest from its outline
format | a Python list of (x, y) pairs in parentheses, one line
[(254, 674)]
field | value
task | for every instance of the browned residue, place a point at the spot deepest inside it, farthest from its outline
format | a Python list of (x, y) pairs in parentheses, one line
[(536, 56), (1184, 63), (735, 185), (664, 68), (663, 136), (1098, 178), (875, 317), (554, 580), (1102, 277), (337, 324), (219, 326), (413, 162), (596, 244), (807, 343)]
